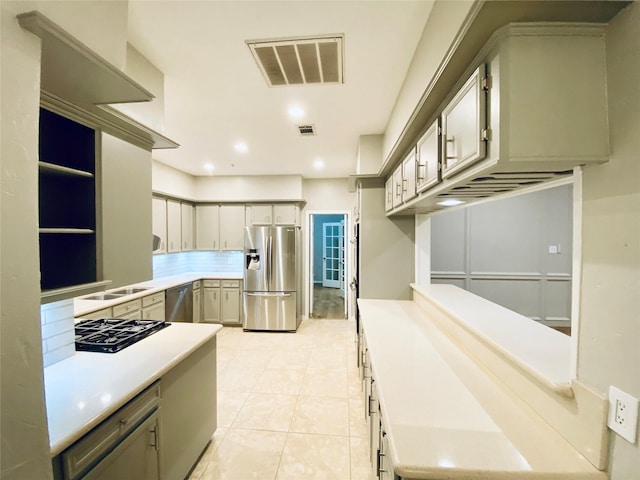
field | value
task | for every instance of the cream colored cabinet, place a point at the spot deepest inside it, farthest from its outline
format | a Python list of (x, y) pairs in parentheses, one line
[(159, 223), (211, 301), (397, 186), (98, 314), (207, 227), (260, 215), (174, 226), (428, 158), (131, 310), (464, 126), (388, 194), (197, 301), (186, 218), (278, 214), (231, 227), (285, 214), (409, 176), (230, 308), (153, 306)]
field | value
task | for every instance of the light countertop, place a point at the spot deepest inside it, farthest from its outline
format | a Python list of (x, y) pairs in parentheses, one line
[(447, 417), (84, 307), (84, 389)]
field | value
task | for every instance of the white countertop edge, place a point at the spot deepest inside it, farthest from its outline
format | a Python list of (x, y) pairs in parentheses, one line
[(79, 425), (84, 307), (556, 384), (395, 350)]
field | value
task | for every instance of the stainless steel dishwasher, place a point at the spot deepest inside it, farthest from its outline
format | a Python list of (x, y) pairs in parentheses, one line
[(179, 303)]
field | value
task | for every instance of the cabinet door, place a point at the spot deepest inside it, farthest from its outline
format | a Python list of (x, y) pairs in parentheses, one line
[(133, 315), (409, 176), (159, 222), (197, 305), (285, 215), (211, 305), (136, 458), (154, 311), (397, 186), (232, 227), (428, 157), (230, 305), (187, 226), (97, 315), (463, 122), (207, 227), (388, 194), (174, 226), (261, 214)]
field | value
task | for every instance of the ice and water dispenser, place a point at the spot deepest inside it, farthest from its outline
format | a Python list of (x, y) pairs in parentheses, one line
[(253, 260)]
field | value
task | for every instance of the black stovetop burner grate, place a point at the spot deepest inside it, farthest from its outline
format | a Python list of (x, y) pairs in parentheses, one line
[(110, 335)]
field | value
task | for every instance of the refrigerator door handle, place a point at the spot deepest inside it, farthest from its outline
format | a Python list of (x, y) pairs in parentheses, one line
[(269, 239), (268, 294)]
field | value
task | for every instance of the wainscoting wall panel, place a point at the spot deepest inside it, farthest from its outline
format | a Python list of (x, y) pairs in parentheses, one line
[(515, 252)]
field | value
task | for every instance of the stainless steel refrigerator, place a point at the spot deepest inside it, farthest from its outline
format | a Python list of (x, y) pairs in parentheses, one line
[(271, 278)]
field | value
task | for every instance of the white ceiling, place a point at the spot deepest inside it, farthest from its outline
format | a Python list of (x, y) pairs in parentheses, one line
[(215, 94)]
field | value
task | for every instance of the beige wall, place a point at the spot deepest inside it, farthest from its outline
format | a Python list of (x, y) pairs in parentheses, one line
[(102, 27), (168, 180), (249, 188), (25, 441), (609, 338), (444, 21)]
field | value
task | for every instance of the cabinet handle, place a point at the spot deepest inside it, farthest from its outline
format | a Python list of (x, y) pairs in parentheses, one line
[(452, 141), (420, 165), (398, 191), (154, 438), (404, 185)]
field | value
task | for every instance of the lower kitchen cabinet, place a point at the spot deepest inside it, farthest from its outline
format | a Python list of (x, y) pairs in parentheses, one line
[(221, 301), (211, 301), (230, 310), (153, 306), (197, 301), (98, 314), (131, 310)]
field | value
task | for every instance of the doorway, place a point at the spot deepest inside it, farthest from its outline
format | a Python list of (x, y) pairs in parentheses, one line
[(327, 265)]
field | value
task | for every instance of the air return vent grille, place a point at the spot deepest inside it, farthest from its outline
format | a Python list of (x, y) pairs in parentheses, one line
[(300, 61)]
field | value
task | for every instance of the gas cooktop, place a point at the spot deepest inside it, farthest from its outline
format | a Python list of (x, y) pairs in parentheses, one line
[(110, 335)]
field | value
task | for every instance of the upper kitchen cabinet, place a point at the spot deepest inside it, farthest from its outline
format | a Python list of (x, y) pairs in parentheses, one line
[(409, 176), (428, 158), (278, 214), (174, 226), (159, 212), (530, 108), (231, 227), (207, 227), (463, 123), (187, 226), (397, 187), (67, 202)]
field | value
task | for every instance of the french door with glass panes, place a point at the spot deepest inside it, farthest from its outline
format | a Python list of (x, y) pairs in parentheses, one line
[(333, 254)]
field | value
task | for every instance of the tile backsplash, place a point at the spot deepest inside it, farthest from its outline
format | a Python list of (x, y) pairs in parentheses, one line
[(58, 338), (183, 262)]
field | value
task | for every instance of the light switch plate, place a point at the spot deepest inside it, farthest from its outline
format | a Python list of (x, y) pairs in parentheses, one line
[(623, 414)]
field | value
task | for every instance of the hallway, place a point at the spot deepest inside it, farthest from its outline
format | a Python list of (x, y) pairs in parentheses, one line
[(327, 303)]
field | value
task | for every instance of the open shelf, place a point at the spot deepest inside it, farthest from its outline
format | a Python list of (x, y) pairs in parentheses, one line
[(60, 170)]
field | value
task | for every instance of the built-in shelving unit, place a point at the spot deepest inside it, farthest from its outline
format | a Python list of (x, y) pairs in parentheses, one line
[(67, 202)]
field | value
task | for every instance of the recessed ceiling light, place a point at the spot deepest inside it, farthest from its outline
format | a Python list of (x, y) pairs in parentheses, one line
[(209, 167), (318, 164), (451, 202), (296, 112), (241, 147)]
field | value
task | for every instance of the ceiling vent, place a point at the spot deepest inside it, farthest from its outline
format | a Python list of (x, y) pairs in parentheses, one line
[(300, 61), (306, 130)]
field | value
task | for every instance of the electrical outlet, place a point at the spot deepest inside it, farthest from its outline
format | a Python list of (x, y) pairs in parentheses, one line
[(623, 414)]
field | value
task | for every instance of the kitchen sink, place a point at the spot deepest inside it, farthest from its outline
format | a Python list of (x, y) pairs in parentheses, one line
[(129, 291), (104, 296)]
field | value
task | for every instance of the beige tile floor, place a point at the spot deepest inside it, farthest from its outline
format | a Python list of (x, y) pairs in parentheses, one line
[(290, 406)]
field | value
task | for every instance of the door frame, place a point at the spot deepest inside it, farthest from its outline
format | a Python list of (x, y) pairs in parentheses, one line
[(308, 259)]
